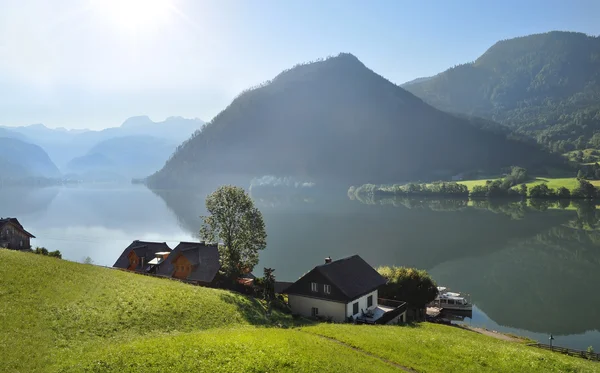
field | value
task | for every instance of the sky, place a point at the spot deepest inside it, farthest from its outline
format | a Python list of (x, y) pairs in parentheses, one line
[(94, 63)]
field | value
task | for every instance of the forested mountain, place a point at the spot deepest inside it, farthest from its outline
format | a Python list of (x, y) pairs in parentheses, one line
[(19, 160), (336, 120), (122, 158), (545, 86), (64, 145)]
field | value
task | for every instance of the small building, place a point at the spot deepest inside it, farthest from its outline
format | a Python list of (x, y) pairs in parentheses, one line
[(196, 262), (143, 256), (13, 235), (343, 290)]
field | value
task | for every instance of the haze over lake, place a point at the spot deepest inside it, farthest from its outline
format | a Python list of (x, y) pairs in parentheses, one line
[(528, 271)]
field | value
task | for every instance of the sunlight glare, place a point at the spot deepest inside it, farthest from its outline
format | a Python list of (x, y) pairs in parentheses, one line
[(134, 15)]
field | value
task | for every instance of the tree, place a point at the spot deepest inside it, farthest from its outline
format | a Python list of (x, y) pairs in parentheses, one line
[(41, 250), (235, 222), (55, 254), (540, 191), (411, 285), (585, 190), (269, 283), (88, 260), (563, 193), (523, 190)]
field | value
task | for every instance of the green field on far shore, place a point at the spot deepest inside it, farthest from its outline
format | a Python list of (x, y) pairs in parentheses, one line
[(554, 183)]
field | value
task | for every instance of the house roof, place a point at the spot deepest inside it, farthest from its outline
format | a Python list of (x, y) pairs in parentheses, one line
[(144, 249), (15, 222), (203, 257), (281, 286), (352, 276)]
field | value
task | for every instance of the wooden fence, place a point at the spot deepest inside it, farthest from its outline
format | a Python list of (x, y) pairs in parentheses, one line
[(568, 351)]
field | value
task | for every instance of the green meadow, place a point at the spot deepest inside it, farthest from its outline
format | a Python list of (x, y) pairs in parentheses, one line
[(60, 316)]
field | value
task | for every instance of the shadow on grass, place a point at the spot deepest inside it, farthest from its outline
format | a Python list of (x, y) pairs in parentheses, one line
[(255, 312)]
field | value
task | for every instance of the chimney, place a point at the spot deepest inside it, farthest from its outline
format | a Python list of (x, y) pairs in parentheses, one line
[(328, 260)]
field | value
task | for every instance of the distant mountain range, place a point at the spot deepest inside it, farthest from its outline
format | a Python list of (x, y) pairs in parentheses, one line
[(21, 160), (544, 86), (335, 120), (135, 149)]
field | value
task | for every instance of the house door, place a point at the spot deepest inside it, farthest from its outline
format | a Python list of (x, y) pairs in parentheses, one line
[(314, 312)]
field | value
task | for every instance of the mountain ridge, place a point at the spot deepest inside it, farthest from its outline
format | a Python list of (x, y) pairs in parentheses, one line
[(335, 119), (545, 86)]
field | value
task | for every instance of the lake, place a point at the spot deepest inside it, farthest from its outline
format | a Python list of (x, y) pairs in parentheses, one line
[(530, 270)]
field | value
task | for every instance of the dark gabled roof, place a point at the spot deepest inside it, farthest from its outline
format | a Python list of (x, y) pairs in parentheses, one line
[(144, 249), (203, 257), (281, 286), (16, 223), (352, 277)]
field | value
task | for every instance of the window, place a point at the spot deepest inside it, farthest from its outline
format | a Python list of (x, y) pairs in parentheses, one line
[(355, 308), (327, 289), (369, 301), (314, 312), (314, 286), (450, 301)]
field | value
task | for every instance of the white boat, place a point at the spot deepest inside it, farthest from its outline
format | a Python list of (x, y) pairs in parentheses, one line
[(450, 301)]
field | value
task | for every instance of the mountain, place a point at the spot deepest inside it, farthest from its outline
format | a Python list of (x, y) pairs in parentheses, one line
[(544, 86), (4, 132), (418, 80), (19, 160), (64, 145), (337, 121), (122, 158)]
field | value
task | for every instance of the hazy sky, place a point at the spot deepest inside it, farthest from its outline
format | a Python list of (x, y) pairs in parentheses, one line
[(93, 63)]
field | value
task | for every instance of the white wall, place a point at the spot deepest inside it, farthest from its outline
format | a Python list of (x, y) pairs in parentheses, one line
[(362, 304), (303, 306)]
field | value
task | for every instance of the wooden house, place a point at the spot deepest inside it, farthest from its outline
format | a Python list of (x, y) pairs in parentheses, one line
[(13, 235), (196, 262), (143, 256)]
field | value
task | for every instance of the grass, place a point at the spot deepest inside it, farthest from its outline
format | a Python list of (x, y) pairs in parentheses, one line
[(244, 350), (554, 183), (438, 348), (59, 316), (52, 307)]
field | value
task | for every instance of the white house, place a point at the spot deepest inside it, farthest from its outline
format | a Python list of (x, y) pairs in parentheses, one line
[(342, 290)]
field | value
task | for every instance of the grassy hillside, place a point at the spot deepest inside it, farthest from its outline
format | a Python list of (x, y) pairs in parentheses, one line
[(53, 307), (241, 350), (437, 348), (60, 316)]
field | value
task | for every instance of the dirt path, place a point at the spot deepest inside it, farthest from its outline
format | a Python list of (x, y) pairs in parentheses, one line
[(493, 334), (363, 352)]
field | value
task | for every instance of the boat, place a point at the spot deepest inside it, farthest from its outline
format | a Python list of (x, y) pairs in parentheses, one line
[(448, 300)]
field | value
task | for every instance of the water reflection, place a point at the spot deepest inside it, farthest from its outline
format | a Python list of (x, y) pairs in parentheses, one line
[(531, 268)]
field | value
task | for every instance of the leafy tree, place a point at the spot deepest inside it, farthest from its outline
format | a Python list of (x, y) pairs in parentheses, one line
[(410, 285), (41, 250), (523, 190), (585, 190), (55, 254), (540, 191), (88, 260), (239, 225), (563, 193)]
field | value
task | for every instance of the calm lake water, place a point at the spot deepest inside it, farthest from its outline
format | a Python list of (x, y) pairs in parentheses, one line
[(529, 271)]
